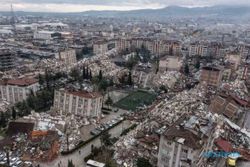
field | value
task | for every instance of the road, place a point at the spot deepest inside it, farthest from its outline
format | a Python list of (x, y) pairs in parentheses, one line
[(78, 158)]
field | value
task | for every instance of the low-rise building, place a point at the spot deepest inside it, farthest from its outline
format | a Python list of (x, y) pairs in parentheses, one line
[(82, 103)]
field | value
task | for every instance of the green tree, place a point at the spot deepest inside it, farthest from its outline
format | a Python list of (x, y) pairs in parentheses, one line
[(40, 80), (130, 80), (103, 85), (23, 108), (105, 139), (70, 163), (75, 74), (3, 120), (13, 113), (197, 64), (109, 101), (186, 69), (142, 162), (100, 75), (84, 73)]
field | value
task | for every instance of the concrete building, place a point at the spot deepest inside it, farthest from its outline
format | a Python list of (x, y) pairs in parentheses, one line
[(234, 59), (179, 146), (68, 56), (7, 60), (198, 50), (211, 76), (44, 35), (100, 48), (16, 90), (82, 103)]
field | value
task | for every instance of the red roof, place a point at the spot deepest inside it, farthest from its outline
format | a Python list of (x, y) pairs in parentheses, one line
[(20, 82), (224, 145)]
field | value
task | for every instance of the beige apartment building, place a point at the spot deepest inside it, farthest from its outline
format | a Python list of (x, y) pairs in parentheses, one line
[(68, 56), (16, 90), (82, 103), (100, 48), (211, 76)]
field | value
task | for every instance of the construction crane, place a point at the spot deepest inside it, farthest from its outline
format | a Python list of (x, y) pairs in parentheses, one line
[(13, 19)]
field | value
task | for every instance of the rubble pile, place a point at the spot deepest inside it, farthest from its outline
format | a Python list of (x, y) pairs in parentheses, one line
[(238, 88), (168, 78)]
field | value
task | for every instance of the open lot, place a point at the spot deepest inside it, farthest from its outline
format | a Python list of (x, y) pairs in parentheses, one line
[(136, 99)]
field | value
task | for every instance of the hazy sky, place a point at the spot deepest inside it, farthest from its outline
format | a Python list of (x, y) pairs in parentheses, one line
[(84, 5)]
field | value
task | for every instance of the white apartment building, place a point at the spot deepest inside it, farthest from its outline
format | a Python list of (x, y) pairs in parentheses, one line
[(81, 103), (16, 90), (100, 48), (45, 35), (67, 57), (182, 143)]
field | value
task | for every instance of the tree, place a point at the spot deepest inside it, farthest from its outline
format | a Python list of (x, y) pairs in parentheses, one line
[(103, 85), (105, 139), (23, 108), (84, 73), (142, 162), (13, 113), (90, 75), (130, 81), (40, 79), (70, 163), (186, 69), (197, 64), (3, 120), (109, 101), (100, 75), (75, 74)]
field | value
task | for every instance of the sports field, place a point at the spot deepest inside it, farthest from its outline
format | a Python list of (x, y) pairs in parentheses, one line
[(135, 99)]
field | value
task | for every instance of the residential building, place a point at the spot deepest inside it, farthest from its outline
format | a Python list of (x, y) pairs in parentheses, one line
[(211, 76), (67, 56), (100, 48), (7, 60), (86, 104), (44, 35), (181, 144), (16, 90)]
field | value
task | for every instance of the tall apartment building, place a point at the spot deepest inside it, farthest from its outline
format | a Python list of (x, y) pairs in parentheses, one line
[(100, 48), (198, 50), (158, 47), (68, 56), (7, 60), (211, 76), (86, 104), (16, 90)]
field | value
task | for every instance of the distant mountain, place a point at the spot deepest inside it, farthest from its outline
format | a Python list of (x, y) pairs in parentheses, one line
[(229, 12)]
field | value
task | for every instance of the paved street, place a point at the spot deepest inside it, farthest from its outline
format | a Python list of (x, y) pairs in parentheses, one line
[(247, 121), (78, 159)]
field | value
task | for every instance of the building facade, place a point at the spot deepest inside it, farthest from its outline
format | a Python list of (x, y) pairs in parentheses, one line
[(100, 48), (7, 60), (80, 103), (211, 76), (67, 57), (17, 90)]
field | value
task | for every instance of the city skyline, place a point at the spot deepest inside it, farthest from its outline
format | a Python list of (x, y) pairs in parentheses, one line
[(79, 6)]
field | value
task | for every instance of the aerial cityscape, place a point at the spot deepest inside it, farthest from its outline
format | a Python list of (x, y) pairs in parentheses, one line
[(132, 83)]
